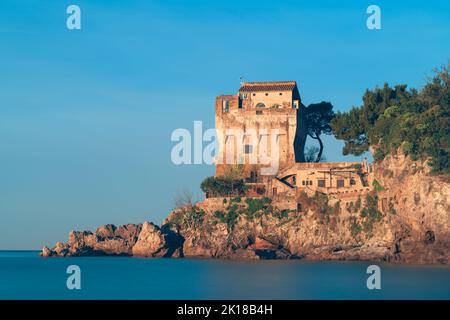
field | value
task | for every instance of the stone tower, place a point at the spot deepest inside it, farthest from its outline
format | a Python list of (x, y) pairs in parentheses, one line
[(261, 116)]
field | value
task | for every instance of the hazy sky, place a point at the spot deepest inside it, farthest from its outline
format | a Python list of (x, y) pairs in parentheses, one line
[(86, 115)]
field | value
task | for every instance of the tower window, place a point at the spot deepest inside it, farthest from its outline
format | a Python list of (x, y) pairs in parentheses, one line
[(248, 148), (225, 106), (340, 183), (267, 94), (321, 183)]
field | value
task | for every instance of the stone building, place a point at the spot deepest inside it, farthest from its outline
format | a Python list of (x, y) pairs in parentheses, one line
[(262, 116), (334, 178), (247, 123)]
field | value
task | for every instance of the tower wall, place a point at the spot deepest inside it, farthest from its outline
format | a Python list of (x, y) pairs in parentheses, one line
[(233, 114)]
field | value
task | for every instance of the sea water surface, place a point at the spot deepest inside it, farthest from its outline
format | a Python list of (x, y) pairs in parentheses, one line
[(25, 275)]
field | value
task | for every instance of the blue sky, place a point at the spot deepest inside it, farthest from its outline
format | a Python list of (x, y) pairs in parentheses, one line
[(86, 115)]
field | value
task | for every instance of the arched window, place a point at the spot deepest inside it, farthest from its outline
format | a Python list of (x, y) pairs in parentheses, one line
[(260, 105)]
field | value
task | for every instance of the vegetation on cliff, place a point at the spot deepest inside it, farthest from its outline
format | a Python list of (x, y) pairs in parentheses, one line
[(417, 121), (223, 186)]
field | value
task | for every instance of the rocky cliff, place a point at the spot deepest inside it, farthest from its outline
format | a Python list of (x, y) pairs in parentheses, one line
[(405, 218)]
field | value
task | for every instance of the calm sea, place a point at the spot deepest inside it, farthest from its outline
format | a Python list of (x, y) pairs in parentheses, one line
[(25, 275)]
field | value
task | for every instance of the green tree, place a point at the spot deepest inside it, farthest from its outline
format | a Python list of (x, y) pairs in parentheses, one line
[(312, 121), (318, 118), (392, 118)]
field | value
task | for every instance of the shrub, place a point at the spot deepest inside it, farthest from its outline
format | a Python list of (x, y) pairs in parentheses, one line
[(378, 187), (283, 214), (190, 217), (370, 213), (355, 227), (222, 187), (229, 217), (255, 204)]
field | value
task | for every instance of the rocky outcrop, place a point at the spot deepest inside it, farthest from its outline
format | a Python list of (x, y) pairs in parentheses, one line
[(106, 240), (419, 205), (158, 242), (405, 219), (145, 240)]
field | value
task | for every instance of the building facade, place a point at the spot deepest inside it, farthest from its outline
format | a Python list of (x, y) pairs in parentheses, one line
[(260, 122), (251, 122)]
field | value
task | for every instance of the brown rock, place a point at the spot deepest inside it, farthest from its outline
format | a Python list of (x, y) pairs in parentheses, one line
[(150, 241), (46, 252), (106, 231), (261, 243)]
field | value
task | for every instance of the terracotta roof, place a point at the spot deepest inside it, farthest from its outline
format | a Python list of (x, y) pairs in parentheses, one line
[(268, 86)]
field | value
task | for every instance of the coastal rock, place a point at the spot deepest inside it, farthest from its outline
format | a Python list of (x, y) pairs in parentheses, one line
[(106, 231), (61, 249), (46, 252), (419, 204), (157, 242), (107, 240), (409, 223), (244, 254), (206, 241), (150, 241)]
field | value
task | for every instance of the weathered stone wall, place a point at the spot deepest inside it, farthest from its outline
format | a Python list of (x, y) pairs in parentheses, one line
[(257, 124)]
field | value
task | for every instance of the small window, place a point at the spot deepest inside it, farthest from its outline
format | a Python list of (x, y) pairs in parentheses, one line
[(310, 182), (267, 94), (274, 191), (260, 105), (225, 106), (352, 182), (295, 104), (281, 93), (294, 180), (303, 182), (248, 148), (299, 207), (321, 183), (340, 183), (254, 94)]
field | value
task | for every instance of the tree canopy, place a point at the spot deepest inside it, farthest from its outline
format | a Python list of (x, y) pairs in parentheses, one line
[(394, 117), (312, 121), (318, 118)]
